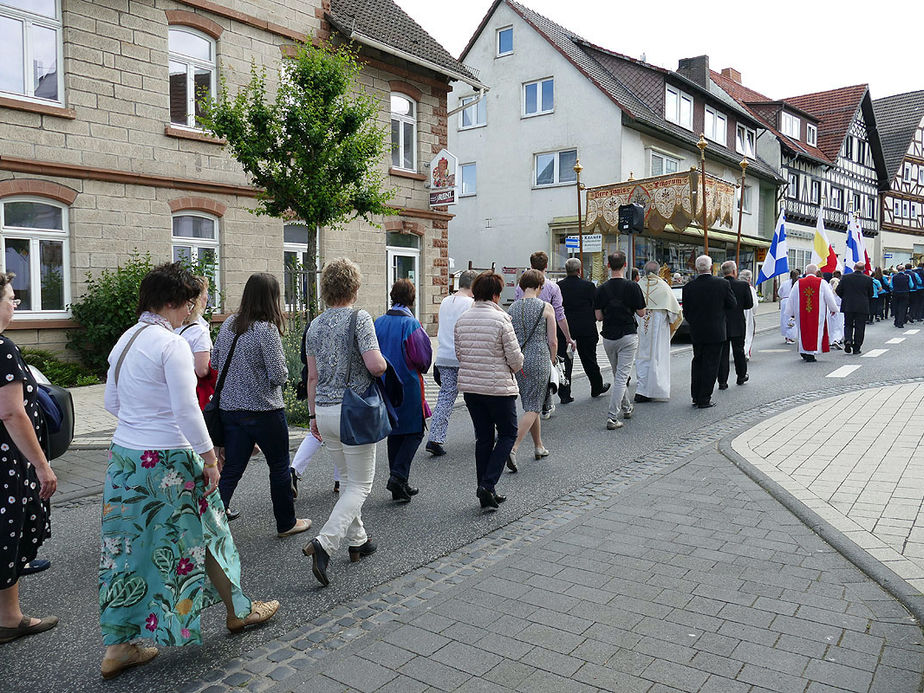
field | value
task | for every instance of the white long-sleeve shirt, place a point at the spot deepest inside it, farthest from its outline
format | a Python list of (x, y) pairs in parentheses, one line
[(155, 399)]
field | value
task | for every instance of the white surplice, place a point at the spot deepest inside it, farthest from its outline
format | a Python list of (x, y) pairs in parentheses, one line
[(784, 292), (653, 360), (827, 304), (750, 324)]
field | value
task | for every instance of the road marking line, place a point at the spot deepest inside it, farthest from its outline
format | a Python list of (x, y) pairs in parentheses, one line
[(773, 351), (895, 340), (842, 372), (911, 331), (873, 354)]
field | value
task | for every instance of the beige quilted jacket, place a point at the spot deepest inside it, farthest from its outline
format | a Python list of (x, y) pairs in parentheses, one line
[(488, 352)]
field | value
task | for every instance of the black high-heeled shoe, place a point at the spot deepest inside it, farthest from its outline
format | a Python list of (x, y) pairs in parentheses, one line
[(401, 490), (361, 551), (486, 498), (319, 561), (512, 461)]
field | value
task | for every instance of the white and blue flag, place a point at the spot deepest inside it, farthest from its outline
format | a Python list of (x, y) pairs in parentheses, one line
[(777, 260), (853, 253)]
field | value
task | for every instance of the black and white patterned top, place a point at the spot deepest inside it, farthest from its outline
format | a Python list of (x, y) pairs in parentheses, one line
[(326, 341), (257, 371)]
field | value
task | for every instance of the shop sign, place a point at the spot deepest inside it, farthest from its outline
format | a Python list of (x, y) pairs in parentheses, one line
[(443, 179), (761, 254), (593, 243)]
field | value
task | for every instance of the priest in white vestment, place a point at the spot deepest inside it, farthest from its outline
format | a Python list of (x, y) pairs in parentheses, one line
[(810, 304), (663, 317), (750, 315), (836, 321), (788, 332)]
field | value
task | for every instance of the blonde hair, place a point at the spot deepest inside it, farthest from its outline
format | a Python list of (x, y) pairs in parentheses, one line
[(340, 280), (198, 309)]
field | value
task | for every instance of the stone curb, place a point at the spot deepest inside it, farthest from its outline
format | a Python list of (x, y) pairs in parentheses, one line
[(888, 579)]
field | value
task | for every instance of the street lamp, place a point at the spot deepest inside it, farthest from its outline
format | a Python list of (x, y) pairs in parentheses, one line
[(577, 171), (744, 170), (702, 163)]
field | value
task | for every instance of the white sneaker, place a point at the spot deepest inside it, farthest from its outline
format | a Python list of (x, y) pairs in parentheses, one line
[(548, 414), (627, 414), (613, 424)]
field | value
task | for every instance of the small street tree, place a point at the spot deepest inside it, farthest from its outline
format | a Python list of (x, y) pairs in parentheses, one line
[(314, 149)]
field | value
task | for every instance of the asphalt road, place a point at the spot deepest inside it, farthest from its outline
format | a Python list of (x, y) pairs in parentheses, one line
[(444, 516)]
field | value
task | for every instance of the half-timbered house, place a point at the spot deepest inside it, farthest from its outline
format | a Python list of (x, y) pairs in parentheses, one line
[(900, 120)]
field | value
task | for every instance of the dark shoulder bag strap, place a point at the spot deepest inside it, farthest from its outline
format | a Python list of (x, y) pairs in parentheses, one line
[(118, 368), (192, 324), (224, 371), (350, 339)]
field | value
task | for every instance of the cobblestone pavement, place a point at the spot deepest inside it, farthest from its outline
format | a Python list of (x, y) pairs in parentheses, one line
[(855, 460), (697, 580)]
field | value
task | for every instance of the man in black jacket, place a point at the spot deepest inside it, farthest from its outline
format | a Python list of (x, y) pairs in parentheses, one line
[(901, 287), (705, 300), (735, 327), (577, 298), (856, 291)]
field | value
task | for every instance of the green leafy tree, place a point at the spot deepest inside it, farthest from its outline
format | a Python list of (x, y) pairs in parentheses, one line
[(314, 148)]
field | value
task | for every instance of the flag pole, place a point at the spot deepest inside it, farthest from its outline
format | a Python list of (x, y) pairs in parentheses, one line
[(702, 162), (744, 170), (577, 170)]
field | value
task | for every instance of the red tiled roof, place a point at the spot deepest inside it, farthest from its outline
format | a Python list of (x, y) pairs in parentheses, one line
[(835, 110), (744, 96)]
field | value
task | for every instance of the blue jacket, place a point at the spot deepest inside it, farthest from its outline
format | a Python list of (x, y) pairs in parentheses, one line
[(877, 288), (901, 283), (407, 348)]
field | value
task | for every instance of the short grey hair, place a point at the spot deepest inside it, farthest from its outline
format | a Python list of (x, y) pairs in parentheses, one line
[(703, 264), (811, 270), (572, 266), (860, 267), (729, 267), (899, 268), (745, 275), (652, 267), (466, 278)]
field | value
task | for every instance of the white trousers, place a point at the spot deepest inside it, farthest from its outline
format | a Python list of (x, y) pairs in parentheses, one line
[(356, 466)]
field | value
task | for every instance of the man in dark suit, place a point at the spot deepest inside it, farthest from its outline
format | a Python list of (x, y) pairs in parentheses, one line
[(735, 327), (901, 288), (577, 298), (856, 292), (705, 300)]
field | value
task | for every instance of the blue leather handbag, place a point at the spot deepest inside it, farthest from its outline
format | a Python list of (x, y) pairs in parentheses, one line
[(363, 418)]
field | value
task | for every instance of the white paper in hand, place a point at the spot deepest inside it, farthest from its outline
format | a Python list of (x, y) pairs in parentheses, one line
[(304, 454)]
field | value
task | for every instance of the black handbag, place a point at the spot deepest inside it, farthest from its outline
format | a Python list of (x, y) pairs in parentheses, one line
[(363, 418), (57, 408), (210, 413)]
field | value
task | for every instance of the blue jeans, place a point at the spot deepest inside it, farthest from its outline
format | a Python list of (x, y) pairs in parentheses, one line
[(269, 430), (491, 451), (401, 450)]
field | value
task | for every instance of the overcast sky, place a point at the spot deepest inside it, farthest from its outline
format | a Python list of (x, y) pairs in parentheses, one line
[(782, 48)]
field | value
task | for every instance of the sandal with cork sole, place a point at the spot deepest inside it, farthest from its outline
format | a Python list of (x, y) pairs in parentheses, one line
[(260, 612), (113, 666)]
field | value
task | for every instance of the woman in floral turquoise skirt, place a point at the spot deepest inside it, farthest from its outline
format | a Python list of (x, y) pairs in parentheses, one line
[(163, 527)]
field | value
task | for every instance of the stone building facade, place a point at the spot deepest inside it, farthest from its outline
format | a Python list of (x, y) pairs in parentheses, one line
[(100, 155)]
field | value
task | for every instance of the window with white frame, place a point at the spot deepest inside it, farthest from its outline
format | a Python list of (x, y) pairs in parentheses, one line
[(474, 116), (678, 107), (837, 199), (505, 41), (792, 190), (858, 203), (469, 179), (553, 168), (914, 210), (193, 73), (848, 147), (662, 164), (745, 140), (799, 259), (715, 126), (920, 175), (195, 239), (36, 249), (897, 208), (403, 132), (743, 198), (31, 49), (539, 97), (861, 151), (811, 134), (296, 261), (908, 174), (871, 207), (790, 125), (815, 191)]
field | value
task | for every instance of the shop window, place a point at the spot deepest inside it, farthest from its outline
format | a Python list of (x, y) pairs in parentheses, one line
[(193, 74), (30, 49), (36, 250), (539, 97), (403, 132)]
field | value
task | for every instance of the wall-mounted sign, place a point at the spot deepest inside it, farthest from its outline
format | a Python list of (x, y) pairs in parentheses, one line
[(593, 243), (443, 179)]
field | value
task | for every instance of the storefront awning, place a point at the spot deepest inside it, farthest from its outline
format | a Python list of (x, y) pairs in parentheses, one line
[(725, 237)]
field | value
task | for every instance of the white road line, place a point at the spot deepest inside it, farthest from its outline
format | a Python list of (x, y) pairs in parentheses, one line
[(911, 331), (773, 351), (842, 372), (895, 340), (875, 353)]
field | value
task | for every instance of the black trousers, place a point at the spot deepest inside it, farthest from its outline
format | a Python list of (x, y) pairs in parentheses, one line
[(587, 352), (705, 369), (736, 345), (855, 329), (489, 413), (875, 307), (900, 309), (401, 450), (916, 302)]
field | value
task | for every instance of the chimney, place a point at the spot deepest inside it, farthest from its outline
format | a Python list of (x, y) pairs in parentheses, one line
[(695, 69), (732, 74)]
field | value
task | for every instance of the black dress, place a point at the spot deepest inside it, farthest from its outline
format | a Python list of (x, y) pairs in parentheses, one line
[(25, 520)]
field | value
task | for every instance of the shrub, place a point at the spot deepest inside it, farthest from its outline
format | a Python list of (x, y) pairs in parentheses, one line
[(296, 410), (57, 371), (106, 310)]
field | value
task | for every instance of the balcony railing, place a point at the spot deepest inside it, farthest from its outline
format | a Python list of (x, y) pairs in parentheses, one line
[(807, 213)]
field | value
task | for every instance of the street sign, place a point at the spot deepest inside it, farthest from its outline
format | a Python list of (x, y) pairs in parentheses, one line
[(593, 242)]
